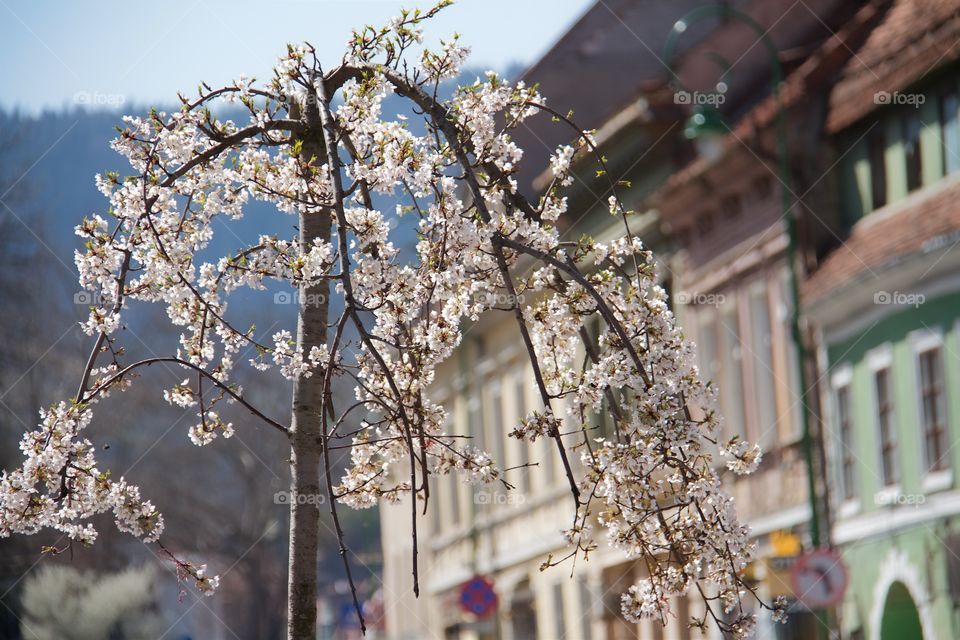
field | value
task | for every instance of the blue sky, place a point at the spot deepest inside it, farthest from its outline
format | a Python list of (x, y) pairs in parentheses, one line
[(109, 53)]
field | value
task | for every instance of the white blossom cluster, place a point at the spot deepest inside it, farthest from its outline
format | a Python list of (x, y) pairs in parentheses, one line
[(652, 487), (71, 487)]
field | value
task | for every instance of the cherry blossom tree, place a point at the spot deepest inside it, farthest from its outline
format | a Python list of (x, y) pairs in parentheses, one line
[(318, 146)]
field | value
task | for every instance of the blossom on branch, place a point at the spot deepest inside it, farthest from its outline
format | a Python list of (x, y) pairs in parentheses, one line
[(650, 488)]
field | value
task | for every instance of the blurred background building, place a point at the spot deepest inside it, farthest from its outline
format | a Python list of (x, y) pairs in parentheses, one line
[(886, 304), (871, 148)]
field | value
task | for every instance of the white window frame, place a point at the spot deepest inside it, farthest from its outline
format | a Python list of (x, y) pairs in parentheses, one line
[(843, 378), (922, 340), (878, 359)]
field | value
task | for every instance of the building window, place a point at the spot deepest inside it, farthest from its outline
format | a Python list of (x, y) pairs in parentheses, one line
[(707, 343), (706, 340), (731, 383), (549, 451), (494, 426), (520, 397), (933, 411), (761, 356), (949, 107), (911, 149), (682, 613), (586, 608), (794, 392), (452, 488), (656, 627), (475, 420), (523, 614), (435, 520), (558, 608), (603, 420), (876, 151), (903, 149), (886, 426), (475, 433), (720, 354), (847, 458)]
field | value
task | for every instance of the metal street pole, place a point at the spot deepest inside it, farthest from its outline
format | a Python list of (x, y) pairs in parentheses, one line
[(703, 120)]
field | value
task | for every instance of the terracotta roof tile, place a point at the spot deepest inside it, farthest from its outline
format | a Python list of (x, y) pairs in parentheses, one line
[(915, 37), (884, 238)]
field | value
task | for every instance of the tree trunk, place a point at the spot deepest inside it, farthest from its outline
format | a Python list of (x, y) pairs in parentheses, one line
[(306, 438)]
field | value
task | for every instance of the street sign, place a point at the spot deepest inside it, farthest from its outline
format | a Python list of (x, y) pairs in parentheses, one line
[(819, 578), (478, 597), (786, 544)]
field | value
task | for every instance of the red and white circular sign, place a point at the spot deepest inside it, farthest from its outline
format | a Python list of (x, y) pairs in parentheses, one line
[(819, 578)]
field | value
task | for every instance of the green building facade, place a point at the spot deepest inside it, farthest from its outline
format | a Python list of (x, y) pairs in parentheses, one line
[(885, 306), (894, 419)]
